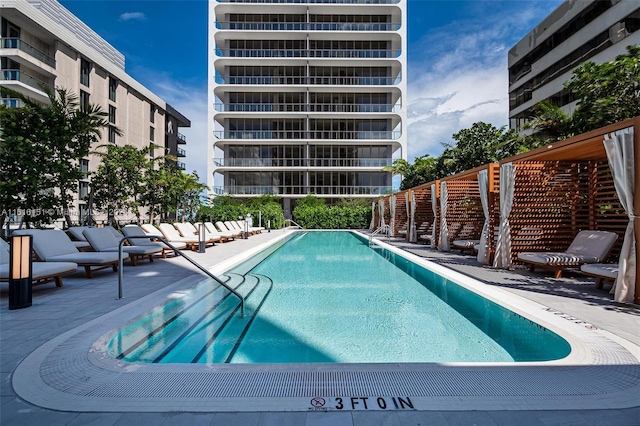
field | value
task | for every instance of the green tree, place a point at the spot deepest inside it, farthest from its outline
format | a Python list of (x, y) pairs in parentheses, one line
[(40, 151), (157, 194), (186, 192), (549, 123), (118, 182), (607, 92)]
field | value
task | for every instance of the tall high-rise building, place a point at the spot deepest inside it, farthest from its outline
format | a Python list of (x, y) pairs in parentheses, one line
[(306, 97), (43, 46), (577, 31)]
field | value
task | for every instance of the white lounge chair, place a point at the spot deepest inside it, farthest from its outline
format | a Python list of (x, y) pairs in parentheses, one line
[(603, 272), (228, 233), (171, 234), (587, 247), (145, 241), (52, 245), (187, 230), (42, 272), (103, 240), (223, 228)]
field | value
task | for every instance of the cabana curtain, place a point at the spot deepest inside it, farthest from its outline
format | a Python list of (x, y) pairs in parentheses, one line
[(434, 207), (409, 215), (392, 214), (484, 254), (443, 244), (381, 211), (412, 230), (372, 226), (503, 245), (619, 147)]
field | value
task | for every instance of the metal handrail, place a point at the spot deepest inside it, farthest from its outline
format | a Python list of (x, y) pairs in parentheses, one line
[(176, 250), (292, 221), (381, 228)]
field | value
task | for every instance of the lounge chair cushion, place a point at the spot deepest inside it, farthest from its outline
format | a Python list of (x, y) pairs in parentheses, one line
[(103, 240), (605, 270), (587, 247), (42, 269), (171, 234), (52, 245), (465, 244), (76, 232), (134, 230)]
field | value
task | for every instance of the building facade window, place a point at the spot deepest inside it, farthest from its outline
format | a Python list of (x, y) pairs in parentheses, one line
[(83, 190), (84, 99), (152, 134), (85, 71), (84, 167), (113, 86), (152, 113), (112, 135), (112, 114)]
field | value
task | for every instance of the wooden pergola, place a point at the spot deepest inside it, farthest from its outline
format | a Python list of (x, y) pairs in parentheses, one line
[(560, 189)]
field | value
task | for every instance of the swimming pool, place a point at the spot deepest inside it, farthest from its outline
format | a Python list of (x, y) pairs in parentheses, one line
[(328, 297)]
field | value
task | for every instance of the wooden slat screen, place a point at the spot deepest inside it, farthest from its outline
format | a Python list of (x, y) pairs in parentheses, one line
[(424, 213), (401, 214), (555, 200), (464, 207)]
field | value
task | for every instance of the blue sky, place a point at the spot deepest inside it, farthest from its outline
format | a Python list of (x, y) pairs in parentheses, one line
[(457, 60)]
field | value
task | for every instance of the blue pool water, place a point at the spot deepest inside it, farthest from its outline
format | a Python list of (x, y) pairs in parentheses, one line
[(329, 297)]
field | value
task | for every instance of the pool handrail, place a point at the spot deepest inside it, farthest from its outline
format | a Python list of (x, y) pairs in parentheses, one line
[(292, 221), (177, 251), (381, 228)]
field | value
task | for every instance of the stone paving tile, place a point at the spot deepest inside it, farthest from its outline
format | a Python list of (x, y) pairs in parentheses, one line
[(96, 419), (329, 419), (375, 418), (282, 419), (422, 418), (476, 418), (236, 419)]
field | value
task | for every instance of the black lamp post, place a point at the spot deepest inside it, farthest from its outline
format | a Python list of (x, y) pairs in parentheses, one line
[(20, 272)]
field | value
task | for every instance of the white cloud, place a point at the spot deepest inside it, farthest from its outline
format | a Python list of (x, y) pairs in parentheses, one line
[(128, 16), (461, 75)]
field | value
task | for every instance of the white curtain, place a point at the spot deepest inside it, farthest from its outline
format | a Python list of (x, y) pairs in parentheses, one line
[(372, 225), (484, 254), (443, 244), (381, 211), (619, 147), (413, 237), (434, 208), (392, 214), (406, 203), (502, 257)]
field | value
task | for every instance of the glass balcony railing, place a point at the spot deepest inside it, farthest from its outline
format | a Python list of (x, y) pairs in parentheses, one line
[(16, 43), (182, 152), (314, 1), (11, 102), (180, 165), (308, 53), (298, 190), (313, 80), (21, 76), (295, 134), (302, 162), (182, 139), (302, 107), (308, 26)]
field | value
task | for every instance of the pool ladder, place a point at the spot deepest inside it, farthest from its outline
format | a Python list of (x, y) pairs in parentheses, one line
[(381, 229), (177, 251)]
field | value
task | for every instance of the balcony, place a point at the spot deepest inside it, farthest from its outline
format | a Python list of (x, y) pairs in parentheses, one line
[(302, 162), (313, 80), (21, 76), (302, 190), (182, 152), (308, 26), (308, 53), (299, 134), (16, 43), (182, 139), (180, 165), (303, 107), (12, 102)]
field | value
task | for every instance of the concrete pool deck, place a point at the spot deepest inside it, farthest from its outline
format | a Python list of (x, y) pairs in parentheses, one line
[(82, 302)]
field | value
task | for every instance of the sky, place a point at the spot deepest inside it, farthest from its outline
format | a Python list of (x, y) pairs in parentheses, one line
[(456, 67)]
